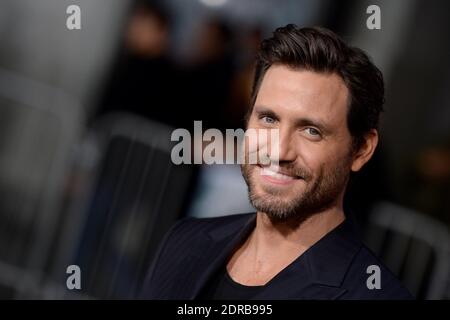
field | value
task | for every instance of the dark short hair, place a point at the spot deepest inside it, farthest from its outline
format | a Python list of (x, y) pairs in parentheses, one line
[(321, 50)]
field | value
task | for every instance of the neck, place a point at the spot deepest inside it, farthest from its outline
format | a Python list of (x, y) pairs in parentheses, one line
[(272, 246)]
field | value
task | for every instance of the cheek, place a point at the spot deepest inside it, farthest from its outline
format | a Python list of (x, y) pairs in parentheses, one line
[(324, 157), (311, 155)]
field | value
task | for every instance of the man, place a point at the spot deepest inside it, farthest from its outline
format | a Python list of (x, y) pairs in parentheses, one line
[(325, 98)]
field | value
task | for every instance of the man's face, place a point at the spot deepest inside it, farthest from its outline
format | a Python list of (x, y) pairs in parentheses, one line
[(310, 111)]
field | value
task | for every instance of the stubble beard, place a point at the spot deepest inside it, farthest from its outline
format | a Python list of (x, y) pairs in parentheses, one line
[(320, 193)]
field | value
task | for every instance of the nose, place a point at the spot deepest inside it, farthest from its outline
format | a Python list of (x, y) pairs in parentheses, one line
[(282, 149)]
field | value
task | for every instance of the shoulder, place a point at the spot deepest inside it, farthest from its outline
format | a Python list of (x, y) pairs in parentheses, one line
[(184, 237), (369, 278), (186, 233), (190, 228)]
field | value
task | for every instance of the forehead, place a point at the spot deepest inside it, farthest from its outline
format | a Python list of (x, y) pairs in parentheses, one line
[(298, 93)]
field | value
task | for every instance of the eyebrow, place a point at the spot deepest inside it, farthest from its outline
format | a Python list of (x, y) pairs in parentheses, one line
[(300, 122)]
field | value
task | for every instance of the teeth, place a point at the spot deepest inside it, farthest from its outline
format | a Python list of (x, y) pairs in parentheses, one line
[(273, 172)]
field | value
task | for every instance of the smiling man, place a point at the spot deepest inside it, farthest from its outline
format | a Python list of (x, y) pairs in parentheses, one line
[(324, 97)]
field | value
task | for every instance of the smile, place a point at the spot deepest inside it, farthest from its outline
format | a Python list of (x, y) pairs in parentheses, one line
[(273, 175)]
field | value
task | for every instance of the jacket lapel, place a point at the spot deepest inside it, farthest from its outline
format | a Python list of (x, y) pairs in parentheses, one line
[(211, 255)]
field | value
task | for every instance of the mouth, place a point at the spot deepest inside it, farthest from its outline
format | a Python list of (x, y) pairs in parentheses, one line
[(275, 175)]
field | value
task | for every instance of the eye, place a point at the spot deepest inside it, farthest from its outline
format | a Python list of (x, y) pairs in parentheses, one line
[(268, 120), (313, 132)]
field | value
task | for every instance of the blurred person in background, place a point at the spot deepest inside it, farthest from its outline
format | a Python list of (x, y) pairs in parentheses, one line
[(207, 79), (144, 78)]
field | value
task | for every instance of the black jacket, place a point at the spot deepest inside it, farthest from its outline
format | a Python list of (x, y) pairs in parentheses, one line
[(333, 268)]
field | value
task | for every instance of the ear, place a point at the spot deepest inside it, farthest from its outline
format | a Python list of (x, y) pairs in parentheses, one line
[(366, 150)]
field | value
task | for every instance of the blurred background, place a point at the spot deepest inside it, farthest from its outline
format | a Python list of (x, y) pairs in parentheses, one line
[(86, 117)]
